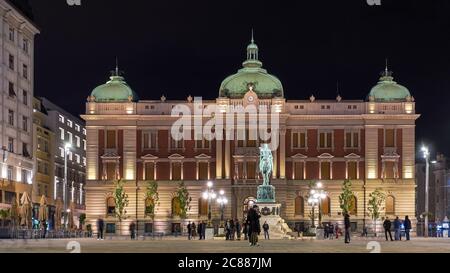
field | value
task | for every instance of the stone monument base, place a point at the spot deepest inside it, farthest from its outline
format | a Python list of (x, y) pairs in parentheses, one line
[(271, 213)]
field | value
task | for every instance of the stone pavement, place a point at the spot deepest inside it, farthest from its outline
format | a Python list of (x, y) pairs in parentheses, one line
[(179, 245)]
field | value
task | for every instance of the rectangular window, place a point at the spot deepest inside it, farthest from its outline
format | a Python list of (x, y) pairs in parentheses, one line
[(25, 45), (78, 141), (24, 176), (25, 151), (11, 62), (325, 170), (25, 97), (203, 171), (70, 137), (61, 152), (10, 145), (10, 197), (12, 34), (176, 144), (70, 156), (176, 171), (62, 135), (25, 71), (11, 117), (352, 170), (25, 124), (298, 140), (84, 144), (10, 173), (326, 140), (11, 90), (150, 139), (78, 158), (111, 139), (84, 131), (61, 119), (298, 170), (149, 171), (352, 139), (390, 138), (69, 123), (77, 128), (84, 161), (251, 170)]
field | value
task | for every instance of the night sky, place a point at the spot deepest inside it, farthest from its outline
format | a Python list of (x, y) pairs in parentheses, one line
[(181, 48)]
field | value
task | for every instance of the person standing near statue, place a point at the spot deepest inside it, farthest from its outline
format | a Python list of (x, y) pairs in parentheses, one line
[(254, 225), (266, 231)]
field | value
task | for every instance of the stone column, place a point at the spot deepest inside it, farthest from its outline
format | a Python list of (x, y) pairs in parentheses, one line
[(219, 159), (227, 159), (283, 154)]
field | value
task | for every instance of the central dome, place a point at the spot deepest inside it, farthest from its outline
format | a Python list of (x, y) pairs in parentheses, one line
[(115, 90), (264, 84), (387, 90)]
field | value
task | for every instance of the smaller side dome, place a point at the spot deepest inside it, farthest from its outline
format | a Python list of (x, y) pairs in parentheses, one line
[(387, 90), (115, 90)]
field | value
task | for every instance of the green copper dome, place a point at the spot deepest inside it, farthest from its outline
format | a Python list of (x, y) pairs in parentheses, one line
[(388, 90), (252, 74), (115, 90)]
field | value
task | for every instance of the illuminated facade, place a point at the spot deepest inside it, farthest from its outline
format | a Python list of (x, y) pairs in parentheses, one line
[(17, 32), (371, 142)]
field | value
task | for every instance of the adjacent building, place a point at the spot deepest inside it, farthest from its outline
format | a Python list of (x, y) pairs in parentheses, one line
[(369, 141), (69, 133), (17, 32), (439, 189)]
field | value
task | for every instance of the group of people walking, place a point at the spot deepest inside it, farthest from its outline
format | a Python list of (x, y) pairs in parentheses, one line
[(233, 230), (194, 230), (397, 228)]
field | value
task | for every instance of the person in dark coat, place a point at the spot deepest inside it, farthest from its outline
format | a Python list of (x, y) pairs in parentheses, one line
[(189, 230), (408, 228), (254, 225), (199, 230), (238, 230), (245, 230), (266, 231), (387, 229), (100, 227), (203, 230), (133, 231), (347, 228), (397, 229)]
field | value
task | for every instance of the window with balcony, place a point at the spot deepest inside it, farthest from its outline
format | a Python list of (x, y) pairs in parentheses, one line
[(298, 140), (325, 140), (10, 144)]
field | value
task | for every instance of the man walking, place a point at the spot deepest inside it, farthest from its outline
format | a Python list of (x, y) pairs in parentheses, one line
[(266, 231), (100, 226), (238, 230), (387, 229), (254, 228), (347, 228), (133, 231), (408, 227), (189, 230)]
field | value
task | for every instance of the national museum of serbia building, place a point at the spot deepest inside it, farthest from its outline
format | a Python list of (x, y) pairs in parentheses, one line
[(370, 142)]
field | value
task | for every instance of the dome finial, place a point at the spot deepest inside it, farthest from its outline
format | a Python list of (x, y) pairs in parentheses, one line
[(253, 37), (117, 66), (386, 75)]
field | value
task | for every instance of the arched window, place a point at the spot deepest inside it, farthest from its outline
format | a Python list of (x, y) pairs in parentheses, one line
[(149, 206), (176, 207), (111, 206), (353, 209), (390, 205), (325, 206), (299, 206), (202, 207)]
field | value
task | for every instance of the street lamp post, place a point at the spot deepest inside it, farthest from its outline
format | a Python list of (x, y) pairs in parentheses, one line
[(316, 195), (66, 152), (222, 200), (209, 195), (426, 155)]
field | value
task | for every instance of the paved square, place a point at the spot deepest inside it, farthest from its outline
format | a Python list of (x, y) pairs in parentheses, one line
[(172, 245)]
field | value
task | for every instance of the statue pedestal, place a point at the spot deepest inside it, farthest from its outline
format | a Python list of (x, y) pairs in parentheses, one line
[(266, 194), (271, 213)]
